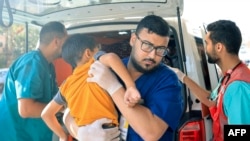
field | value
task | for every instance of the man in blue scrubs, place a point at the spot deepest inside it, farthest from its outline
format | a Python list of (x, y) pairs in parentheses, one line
[(159, 114), (30, 85)]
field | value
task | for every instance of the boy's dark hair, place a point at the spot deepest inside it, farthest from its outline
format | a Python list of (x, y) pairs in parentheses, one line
[(155, 24), (227, 33), (51, 30), (74, 47)]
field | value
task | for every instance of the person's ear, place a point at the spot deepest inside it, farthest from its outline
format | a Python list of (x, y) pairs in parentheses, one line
[(219, 47), (88, 53), (132, 39), (85, 56), (58, 42)]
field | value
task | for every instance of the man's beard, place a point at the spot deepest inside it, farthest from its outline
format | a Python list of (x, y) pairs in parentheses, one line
[(139, 68), (212, 60)]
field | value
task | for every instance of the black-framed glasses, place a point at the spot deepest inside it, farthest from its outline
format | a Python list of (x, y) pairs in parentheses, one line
[(148, 47)]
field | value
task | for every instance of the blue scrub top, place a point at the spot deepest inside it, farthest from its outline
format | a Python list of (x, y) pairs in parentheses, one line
[(32, 77), (161, 92)]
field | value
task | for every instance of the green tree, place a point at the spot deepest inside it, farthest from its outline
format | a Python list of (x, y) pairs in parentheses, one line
[(15, 44)]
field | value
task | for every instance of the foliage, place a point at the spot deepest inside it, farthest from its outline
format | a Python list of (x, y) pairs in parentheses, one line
[(13, 42)]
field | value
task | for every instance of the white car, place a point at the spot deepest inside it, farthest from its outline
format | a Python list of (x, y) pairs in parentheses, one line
[(111, 23)]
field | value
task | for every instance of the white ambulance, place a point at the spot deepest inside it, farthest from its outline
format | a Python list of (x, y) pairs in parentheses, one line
[(112, 22)]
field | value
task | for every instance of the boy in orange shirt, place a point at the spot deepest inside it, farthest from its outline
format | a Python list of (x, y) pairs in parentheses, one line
[(87, 101)]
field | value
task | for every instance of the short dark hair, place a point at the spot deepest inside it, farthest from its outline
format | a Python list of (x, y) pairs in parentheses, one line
[(227, 33), (155, 24), (51, 30), (74, 47)]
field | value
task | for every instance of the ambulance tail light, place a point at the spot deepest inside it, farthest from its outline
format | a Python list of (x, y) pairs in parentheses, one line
[(192, 131)]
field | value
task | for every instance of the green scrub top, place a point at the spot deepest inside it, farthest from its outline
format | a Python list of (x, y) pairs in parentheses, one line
[(236, 102), (32, 77)]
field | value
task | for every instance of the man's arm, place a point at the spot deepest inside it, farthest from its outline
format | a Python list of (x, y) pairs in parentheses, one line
[(29, 89), (30, 108), (140, 118), (199, 92)]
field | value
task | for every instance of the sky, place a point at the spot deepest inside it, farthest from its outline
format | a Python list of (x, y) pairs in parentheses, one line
[(205, 11)]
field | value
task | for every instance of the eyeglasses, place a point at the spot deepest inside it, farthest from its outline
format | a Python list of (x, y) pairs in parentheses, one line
[(148, 47)]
